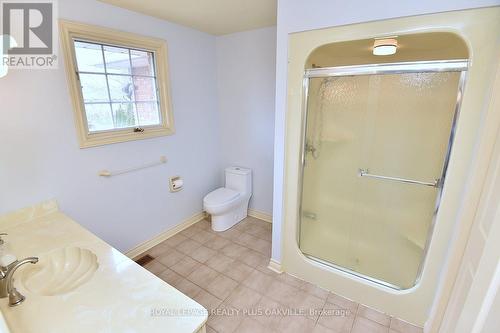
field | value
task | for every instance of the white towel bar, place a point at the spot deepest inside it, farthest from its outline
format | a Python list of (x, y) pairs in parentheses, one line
[(107, 173), (366, 173)]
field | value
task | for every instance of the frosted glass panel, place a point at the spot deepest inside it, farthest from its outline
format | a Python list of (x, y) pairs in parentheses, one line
[(395, 125)]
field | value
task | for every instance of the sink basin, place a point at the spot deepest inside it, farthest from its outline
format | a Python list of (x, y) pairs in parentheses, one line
[(60, 271)]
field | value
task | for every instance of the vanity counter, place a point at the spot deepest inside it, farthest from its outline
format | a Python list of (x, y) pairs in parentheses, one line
[(120, 296)]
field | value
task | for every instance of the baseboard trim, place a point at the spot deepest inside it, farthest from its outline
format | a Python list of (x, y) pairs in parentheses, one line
[(275, 266), (145, 246), (260, 215)]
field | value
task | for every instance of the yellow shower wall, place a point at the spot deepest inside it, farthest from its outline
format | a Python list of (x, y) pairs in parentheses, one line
[(394, 125), (479, 29)]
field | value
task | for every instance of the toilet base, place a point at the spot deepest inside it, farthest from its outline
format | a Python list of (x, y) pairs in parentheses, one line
[(225, 221)]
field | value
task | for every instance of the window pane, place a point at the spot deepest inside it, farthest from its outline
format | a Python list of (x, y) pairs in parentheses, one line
[(99, 117), (121, 88), (142, 63), (94, 87), (89, 57), (124, 114), (117, 60), (148, 114), (144, 88)]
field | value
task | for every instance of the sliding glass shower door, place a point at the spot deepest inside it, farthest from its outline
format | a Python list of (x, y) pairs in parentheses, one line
[(376, 144)]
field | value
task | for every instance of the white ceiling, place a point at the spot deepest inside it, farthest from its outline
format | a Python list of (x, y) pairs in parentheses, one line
[(217, 17)]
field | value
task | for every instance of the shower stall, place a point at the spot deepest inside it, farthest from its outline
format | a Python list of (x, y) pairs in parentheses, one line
[(376, 145), (381, 179)]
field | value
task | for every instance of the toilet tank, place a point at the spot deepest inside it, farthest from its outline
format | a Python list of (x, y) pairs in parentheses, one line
[(239, 179)]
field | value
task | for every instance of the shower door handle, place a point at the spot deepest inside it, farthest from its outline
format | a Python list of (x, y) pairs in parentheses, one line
[(366, 173)]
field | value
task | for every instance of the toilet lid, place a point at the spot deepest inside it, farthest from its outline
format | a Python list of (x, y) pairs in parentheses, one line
[(220, 195)]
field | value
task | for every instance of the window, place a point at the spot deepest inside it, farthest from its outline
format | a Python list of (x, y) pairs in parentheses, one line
[(118, 82)]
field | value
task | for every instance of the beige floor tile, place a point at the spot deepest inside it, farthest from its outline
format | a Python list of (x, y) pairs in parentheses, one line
[(246, 265), (290, 280), (265, 269), (209, 301), (342, 302), (282, 293), (202, 253), (222, 286), (363, 325), (243, 225), (249, 325), (233, 250), (263, 225), (404, 327), (185, 266), (253, 258), (155, 267), (230, 234), (203, 236), (225, 319), (188, 246), (219, 262), (268, 226), (337, 318), (322, 329), (238, 271), (246, 239), (217, 243), (203, 276), (254, 230), (170, 258), (188, 232), (264, 234), (187, 287), (158, 250), (244, 298), (170, 277), (272, 312), (203, 224), (311, 305), (210, 330), (296, 324), (258, 281), (175, 240), (315, 290), (261, 246), (374, 315)]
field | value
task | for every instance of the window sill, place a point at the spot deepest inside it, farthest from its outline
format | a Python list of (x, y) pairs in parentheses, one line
[(105, 138)]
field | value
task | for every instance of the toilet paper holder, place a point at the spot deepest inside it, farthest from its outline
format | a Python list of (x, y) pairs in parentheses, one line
[(176, 183)]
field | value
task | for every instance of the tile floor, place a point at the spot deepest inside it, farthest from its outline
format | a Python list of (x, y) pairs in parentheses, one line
[(227, 273)]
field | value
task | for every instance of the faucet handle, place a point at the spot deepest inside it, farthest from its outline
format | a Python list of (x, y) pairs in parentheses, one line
[(7, 259)]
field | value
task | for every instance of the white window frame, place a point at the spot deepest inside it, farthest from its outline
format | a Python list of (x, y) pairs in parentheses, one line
[(71, 31)]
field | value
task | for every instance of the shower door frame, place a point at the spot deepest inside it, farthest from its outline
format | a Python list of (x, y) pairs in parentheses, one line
[(436, 66)]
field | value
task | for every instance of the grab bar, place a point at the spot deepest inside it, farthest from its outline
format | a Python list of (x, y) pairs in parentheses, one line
[(366, 173)]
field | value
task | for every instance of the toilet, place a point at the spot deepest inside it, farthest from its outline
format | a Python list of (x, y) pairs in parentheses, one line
[(228, 205)]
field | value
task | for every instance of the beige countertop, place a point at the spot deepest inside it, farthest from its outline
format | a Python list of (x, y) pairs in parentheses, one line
[(120, 296)]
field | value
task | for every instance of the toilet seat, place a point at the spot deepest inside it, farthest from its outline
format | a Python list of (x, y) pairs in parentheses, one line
[(221, 196)]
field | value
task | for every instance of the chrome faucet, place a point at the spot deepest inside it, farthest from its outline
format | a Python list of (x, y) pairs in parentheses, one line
[(7, 280)]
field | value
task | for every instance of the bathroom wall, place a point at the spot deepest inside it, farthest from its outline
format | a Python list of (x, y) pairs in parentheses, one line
[(297, 15), (40, 157), (246, 72)]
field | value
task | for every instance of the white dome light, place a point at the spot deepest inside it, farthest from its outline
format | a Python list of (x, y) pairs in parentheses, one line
[(383, 47)]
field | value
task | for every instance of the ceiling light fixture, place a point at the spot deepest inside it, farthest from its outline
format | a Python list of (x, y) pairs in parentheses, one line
[(385, 46)]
